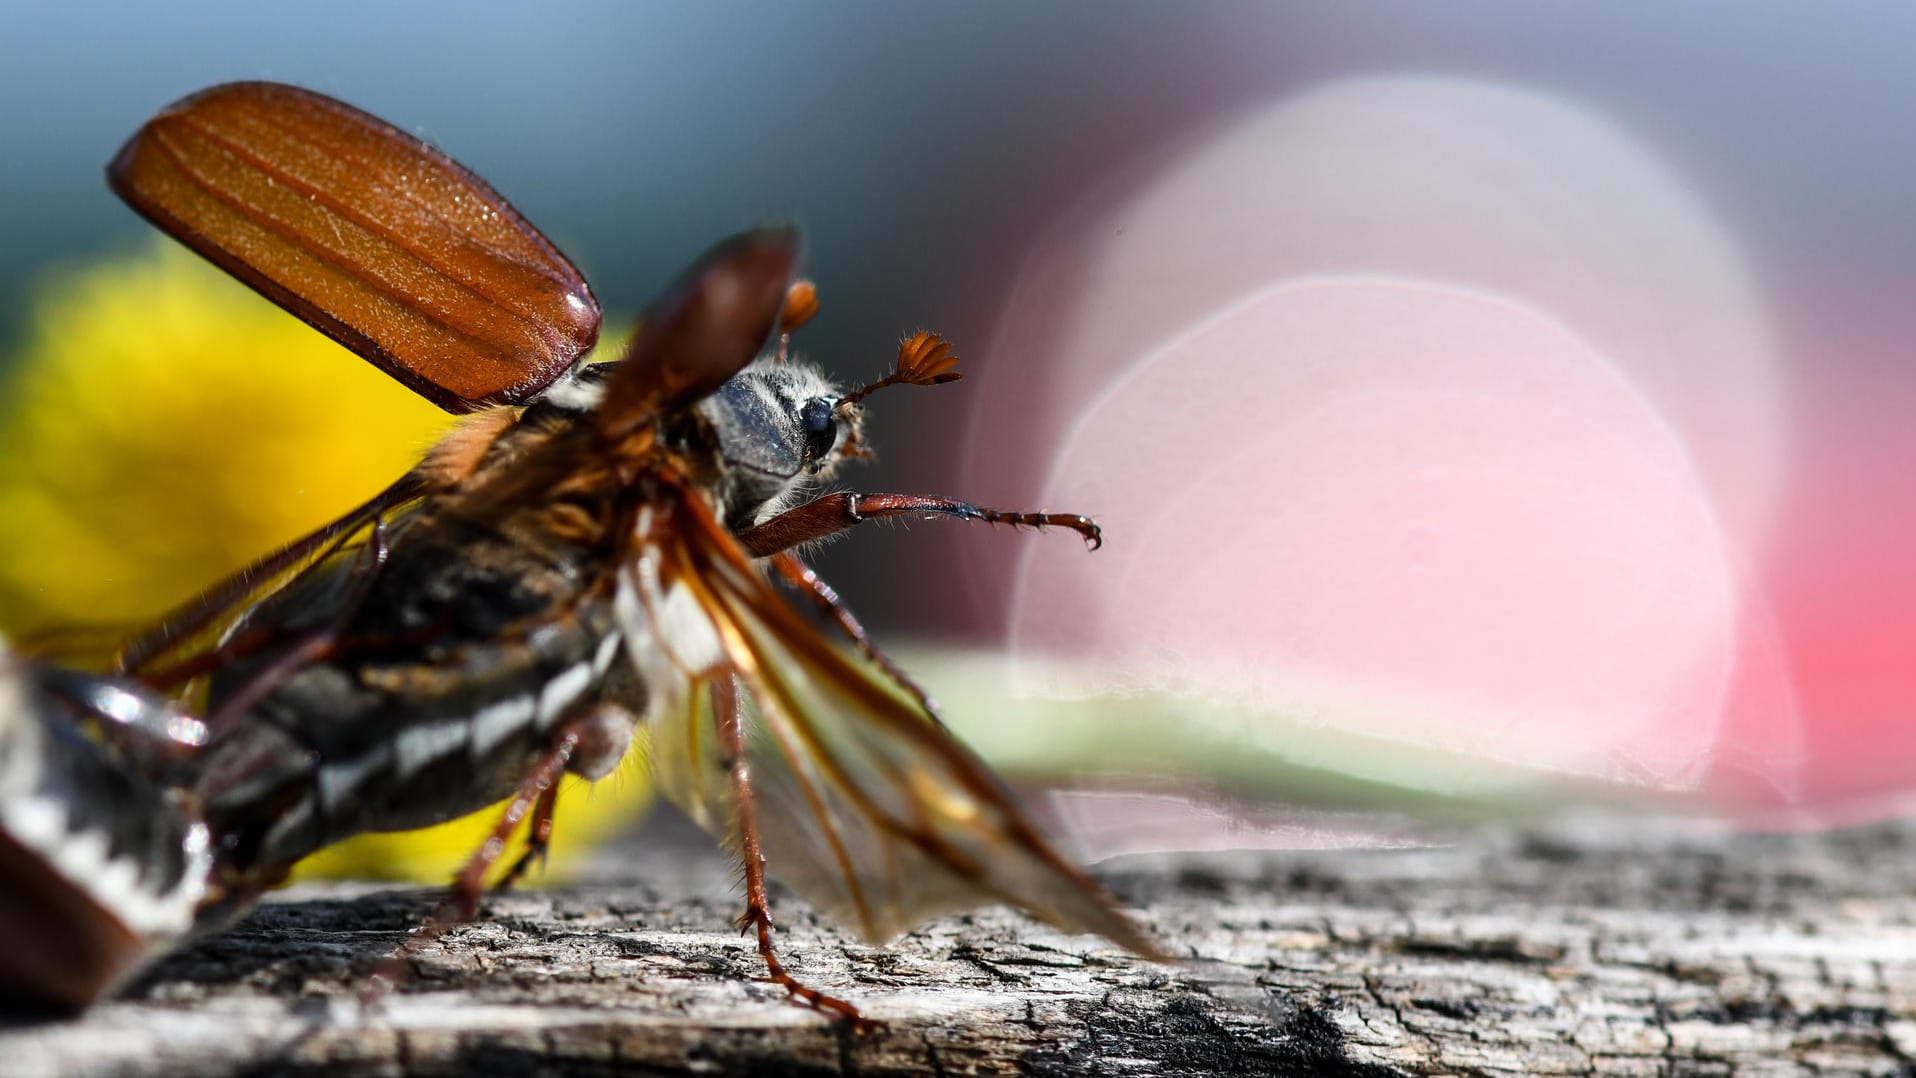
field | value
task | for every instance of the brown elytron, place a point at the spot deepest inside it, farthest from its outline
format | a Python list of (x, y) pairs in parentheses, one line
[(368, 234), (547, 578)]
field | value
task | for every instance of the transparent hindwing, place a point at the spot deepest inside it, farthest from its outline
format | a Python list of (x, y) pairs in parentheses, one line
[(866, 806)]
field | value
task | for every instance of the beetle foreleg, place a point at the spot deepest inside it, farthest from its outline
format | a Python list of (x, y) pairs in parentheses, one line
[(824, 517)]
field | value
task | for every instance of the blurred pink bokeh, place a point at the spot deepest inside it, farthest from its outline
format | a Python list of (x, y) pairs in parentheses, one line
[(1447, 412)]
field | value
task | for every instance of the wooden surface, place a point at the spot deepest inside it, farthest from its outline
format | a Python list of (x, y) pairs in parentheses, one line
[(1600, 948)]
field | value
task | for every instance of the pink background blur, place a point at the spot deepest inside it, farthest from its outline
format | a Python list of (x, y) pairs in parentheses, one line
[(1449, 410)]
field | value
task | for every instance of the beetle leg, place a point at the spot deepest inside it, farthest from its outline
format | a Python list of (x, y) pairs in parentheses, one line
[(461, 903), (800, 576), (602, 737), (758, 910), (824, 517), (538, 840)]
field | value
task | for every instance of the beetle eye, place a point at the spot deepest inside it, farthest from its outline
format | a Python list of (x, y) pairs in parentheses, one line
[(816, 422), (815, 416)]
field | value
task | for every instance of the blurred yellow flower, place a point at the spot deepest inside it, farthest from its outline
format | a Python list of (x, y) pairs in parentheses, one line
[(162, 426)]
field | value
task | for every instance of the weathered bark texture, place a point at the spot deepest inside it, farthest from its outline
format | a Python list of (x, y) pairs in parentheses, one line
[(1616, 948)]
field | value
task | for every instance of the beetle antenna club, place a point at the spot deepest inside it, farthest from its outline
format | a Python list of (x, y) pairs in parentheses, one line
[(924, 359)]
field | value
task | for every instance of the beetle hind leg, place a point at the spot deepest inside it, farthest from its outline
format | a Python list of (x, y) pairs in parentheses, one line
[(599, 740), (538, 840), (461, 903)]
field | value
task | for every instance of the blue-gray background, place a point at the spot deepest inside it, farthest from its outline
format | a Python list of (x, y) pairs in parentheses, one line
[(921, 146)]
